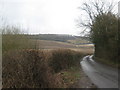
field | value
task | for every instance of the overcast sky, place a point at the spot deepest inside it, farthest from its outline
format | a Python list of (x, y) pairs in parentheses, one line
[(43, 16)]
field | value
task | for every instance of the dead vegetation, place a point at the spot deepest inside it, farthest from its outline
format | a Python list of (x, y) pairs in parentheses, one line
[(46, 44), (28, 69), (37, 68)]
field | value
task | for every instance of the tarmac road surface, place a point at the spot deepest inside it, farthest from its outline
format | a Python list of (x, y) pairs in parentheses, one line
[(101, 75)]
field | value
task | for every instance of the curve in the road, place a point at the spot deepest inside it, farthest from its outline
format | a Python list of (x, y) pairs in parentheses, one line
[(101, 75)]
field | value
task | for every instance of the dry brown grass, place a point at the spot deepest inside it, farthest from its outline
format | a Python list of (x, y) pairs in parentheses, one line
[(46, 44), (53, 45), (84, 50)]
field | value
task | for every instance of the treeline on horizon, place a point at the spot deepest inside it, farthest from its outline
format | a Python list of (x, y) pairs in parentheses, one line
[(16, 32), (57, 37)]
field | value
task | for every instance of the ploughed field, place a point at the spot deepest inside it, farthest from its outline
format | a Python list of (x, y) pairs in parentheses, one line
[(50, 45)]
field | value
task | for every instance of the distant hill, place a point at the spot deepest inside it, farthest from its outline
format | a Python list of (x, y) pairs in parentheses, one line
[(53, 37), (61, 38)]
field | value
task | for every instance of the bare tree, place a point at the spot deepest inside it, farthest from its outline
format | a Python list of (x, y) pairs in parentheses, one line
[(103, 25), (93, 9)]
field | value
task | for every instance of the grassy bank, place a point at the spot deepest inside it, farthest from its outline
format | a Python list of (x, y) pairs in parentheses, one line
[(108, 62), (71, 76)]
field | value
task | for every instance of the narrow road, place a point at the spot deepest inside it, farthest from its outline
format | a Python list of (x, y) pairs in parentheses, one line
[(101, 75)]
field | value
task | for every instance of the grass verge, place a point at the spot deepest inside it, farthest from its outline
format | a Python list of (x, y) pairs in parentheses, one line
[(70, 76), (108, 62)]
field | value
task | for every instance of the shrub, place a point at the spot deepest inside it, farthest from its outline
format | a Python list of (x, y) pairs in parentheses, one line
[(64, 59), (36, 68), (27, 69)]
